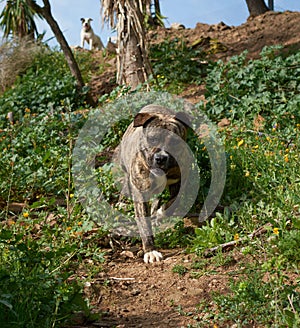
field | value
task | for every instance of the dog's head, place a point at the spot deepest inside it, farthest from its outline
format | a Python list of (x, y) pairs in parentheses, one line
[(162, 134), (86, 23)]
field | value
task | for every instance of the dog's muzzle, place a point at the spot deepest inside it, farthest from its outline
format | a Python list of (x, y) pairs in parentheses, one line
[(161, 160)]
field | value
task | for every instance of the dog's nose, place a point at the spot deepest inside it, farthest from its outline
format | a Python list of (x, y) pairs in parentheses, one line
[(161, 158)]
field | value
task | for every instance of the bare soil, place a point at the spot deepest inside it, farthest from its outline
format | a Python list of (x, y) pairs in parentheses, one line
[(147, 295), (130, 293)]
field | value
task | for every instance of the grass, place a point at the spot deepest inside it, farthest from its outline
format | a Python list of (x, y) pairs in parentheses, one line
[(47, 237), (15, 59)]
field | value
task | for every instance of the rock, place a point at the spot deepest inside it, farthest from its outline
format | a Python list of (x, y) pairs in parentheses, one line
[(222, 26), (223, 123), (127, 254), (135, 292)]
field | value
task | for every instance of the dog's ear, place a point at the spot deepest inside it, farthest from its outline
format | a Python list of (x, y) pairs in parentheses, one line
[(142, 118), (90, 19), (183, 118), (82, 19)]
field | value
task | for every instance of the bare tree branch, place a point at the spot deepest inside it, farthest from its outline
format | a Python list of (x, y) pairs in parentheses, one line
[(46, 13)]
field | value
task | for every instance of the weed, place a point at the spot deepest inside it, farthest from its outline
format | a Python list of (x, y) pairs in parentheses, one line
[(178, 236), (174, 63), (180, 269), (253, 301)]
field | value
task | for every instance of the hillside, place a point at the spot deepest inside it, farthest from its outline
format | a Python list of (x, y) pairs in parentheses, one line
[(221, 42), (240, 269)]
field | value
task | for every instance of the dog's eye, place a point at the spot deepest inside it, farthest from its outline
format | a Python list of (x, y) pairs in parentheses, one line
[(153, 140)]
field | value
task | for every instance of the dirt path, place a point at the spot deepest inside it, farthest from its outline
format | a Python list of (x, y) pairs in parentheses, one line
[(134, 294)]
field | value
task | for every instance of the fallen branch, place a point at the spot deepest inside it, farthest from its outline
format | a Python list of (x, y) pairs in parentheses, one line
[(230, 245)]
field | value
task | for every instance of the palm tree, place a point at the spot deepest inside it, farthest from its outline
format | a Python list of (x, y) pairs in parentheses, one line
[(18, 19), (127, 16)]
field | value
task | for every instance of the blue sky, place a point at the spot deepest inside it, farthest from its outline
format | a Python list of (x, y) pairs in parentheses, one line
[(188, 12)]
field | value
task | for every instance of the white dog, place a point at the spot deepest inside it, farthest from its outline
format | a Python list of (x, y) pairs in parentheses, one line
[(88, 35)]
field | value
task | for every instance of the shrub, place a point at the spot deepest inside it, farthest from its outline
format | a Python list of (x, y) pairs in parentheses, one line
[(45, 85)]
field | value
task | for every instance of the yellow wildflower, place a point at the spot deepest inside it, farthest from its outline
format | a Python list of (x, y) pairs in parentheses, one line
[(276, 231), (240, 142), (27, 110), (286, 158), (25, 214), (236, 236), (247, 174), (71, 195)]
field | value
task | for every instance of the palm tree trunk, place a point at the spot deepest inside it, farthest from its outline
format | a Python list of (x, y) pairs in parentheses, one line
[(132, 72), (127, 16), (134, 66)]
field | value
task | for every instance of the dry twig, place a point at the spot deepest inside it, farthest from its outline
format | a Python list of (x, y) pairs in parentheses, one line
[(229, 245)]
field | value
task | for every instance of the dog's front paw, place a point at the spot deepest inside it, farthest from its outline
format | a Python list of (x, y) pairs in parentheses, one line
[(152, 256)]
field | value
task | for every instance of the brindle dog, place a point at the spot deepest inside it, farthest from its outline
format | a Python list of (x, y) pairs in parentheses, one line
[(148, 155)]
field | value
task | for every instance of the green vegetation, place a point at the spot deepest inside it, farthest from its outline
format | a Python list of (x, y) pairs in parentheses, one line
[(49, 242), (176, 64), (180, 269), (42, 245), (261, 99)]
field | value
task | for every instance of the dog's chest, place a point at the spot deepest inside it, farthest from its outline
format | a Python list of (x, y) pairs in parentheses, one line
[(87, 35)]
